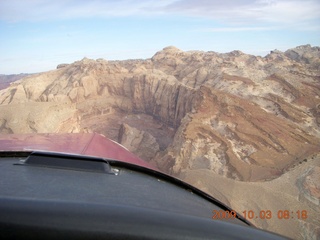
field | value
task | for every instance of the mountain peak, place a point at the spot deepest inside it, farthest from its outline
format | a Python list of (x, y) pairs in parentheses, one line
[(304, 54), (171, 49)]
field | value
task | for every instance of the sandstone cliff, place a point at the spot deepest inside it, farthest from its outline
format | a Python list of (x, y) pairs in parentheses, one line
[(233, 116), (242, 116)]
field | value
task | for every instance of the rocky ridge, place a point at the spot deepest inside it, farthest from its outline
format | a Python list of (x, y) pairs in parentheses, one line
[(233, 116), (5, 80), (242, 116)]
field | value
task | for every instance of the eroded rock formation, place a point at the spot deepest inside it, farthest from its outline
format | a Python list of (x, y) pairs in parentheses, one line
[(232, 116), (242, 116)]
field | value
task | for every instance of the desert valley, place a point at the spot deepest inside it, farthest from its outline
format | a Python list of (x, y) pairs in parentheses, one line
[(242, 128)]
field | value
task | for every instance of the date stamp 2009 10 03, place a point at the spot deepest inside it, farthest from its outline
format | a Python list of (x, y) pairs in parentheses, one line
[(262, 214)]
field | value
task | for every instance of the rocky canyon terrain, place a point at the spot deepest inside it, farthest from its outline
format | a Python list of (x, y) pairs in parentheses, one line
[(5, 80), (243, 128)]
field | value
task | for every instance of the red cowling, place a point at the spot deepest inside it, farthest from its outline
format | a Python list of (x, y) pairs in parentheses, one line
[(89, 144)]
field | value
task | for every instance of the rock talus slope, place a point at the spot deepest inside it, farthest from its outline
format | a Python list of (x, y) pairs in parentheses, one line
[(233, 116)]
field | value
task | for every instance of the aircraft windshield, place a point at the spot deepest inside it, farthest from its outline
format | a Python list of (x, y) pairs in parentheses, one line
[(224, 95)]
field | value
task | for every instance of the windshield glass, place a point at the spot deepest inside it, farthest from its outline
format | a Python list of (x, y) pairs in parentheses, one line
[(224, 95)]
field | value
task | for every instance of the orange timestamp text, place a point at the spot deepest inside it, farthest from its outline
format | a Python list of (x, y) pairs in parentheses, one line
[(262, 214)]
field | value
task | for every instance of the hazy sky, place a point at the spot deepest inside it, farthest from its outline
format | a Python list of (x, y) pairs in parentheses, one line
[(36, 35)]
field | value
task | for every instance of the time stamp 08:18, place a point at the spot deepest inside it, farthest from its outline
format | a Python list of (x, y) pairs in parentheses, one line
[(262, 214)]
